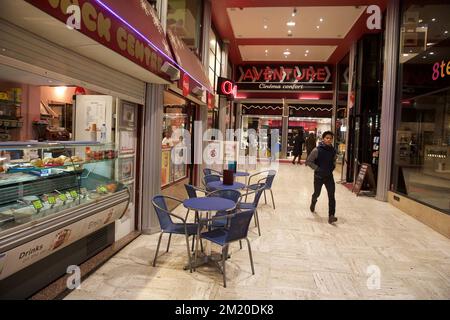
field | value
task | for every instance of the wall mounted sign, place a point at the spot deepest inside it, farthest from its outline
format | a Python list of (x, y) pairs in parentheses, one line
[(226, 87), (441, 70), (111, 23), (284, 78), (185, 85)]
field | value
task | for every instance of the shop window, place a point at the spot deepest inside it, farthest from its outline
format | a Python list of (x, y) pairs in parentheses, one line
[(184, 18), (422, 149), (176, 139)]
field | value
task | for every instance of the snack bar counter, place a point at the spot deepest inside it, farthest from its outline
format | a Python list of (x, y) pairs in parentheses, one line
[(58, 205)]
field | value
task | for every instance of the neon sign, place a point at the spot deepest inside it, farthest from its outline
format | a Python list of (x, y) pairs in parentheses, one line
[(226, 87), (441, 70)]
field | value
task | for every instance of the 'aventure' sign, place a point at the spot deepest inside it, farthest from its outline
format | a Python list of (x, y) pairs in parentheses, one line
[(286, 78)]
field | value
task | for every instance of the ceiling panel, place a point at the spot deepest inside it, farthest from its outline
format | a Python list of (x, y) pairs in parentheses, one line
[(276, 53), (310, 22)]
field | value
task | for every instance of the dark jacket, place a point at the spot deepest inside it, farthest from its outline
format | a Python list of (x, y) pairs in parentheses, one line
[(298, 144), (323, 160)]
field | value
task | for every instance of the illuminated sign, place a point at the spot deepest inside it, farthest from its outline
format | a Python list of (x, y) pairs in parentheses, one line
[(226, 87), (441, 70), (284, 78)]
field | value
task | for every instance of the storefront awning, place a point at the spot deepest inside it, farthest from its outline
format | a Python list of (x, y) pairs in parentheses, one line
[(190, 64), (129, 29)]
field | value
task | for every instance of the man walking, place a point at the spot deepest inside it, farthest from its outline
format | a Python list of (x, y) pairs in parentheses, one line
[(323, 161)]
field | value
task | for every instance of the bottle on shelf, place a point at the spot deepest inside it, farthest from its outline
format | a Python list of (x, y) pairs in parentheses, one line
[(103, 133)]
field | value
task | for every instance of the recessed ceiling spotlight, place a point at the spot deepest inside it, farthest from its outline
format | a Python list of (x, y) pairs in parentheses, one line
[(431, 53), (420, 20), (307, 51), (265, 26), (446, 31), (423, 27), (289, 31), (317, 27), (266, 51), (321, 19), (291, 23), (286, 53), (306, 54), (405, 54), (424, 57), (430, 44), (294, 12), (410, 51), (434, 19)]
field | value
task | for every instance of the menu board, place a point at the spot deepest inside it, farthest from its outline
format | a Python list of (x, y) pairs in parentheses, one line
[(365, 174)]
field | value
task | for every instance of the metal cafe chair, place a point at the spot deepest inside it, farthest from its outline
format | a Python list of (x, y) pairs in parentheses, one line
[(210, 178), (235, 230), (232, 195), (168, 226), (268, 180), (257, 190)]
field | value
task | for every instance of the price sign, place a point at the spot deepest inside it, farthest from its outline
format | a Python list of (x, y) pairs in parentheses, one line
[(51, 200), (37, 204), (62, 197)]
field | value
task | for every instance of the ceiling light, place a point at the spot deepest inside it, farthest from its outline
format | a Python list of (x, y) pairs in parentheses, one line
[(410, 51), (317, 27), (286, 53), (321, 19), (265, 26), (291, 23), (306, 54), (405, 55), (307, 51), (289, 31), (424, 57), (430, 44), (431, 53), (420, 20), (434, 19), (446, 31), (267, 51)]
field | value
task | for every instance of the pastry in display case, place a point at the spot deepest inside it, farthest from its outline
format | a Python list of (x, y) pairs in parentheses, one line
[(56, 193)]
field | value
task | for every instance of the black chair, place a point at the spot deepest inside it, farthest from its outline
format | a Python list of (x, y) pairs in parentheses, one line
[(170, 227), (235, 230)]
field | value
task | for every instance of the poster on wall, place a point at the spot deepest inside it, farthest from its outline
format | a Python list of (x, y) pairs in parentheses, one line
[(126, 168), (165, 167), (127, 141), (92, 111), (127, 115)]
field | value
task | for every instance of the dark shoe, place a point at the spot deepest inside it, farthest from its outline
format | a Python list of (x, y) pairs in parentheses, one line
[(332, 219), (312, 207), (293, 162)]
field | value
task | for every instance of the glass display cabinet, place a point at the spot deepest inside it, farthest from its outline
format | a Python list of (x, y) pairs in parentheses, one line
[(52, 196)]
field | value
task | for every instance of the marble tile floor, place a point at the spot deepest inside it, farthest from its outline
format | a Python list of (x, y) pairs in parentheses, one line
[(298, 256)]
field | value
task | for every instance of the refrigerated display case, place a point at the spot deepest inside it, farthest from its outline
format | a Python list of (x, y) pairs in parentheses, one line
[(53, 198)]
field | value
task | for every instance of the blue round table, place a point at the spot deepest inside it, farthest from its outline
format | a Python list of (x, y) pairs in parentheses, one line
[(241, 174), (209, 204), (218, 185)]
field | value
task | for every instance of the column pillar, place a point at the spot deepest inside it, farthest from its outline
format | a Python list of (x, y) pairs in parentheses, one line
[(151, 156), (388, 99), (284, 130)]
